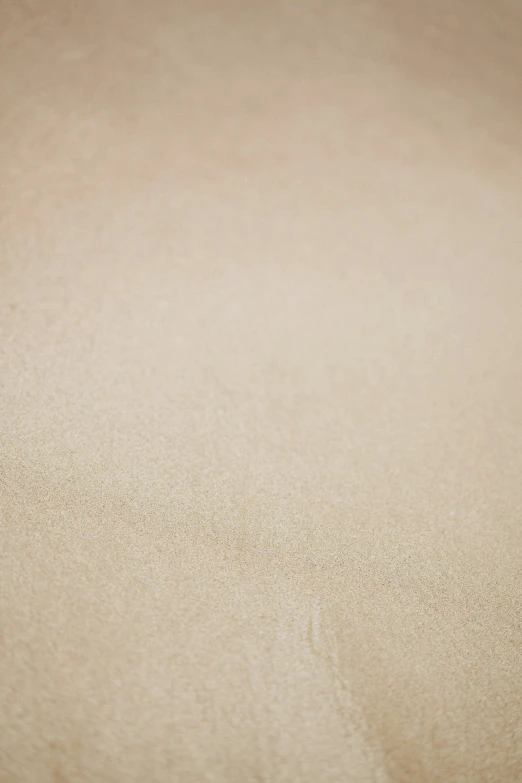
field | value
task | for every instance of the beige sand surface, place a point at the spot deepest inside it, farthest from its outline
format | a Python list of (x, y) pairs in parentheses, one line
[(260, 391)]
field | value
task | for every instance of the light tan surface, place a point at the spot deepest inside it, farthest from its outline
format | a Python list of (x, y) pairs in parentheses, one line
[(261, 392)]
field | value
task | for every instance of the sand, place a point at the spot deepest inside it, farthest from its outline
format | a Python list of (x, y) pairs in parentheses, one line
[(260, 392)]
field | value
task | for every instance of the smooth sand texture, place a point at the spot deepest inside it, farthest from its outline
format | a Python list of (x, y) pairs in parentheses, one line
[(261, 392)]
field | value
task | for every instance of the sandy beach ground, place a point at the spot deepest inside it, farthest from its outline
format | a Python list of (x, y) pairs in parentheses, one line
[(260, 391)]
